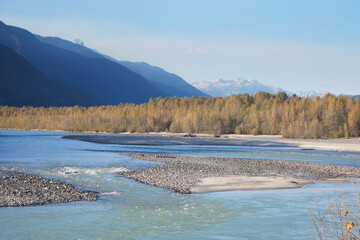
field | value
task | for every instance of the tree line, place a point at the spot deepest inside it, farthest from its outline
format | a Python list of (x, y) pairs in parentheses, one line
[(263, 113)]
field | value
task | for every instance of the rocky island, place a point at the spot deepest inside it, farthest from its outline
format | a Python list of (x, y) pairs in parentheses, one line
[(186, 174), (23, 189)]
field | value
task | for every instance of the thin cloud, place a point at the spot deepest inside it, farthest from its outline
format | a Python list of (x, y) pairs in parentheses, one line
[(197, 50)]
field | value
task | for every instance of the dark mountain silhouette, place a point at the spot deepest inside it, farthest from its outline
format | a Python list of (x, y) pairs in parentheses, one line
[(21, 84), (104, 80), (165, 81)]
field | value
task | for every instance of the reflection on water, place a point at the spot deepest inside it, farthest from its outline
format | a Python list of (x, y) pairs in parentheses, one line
[(131, 210)]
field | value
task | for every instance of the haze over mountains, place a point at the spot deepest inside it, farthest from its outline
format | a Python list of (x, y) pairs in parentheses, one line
[(92, 78), (173, 84), (223, 88), (165, 81)]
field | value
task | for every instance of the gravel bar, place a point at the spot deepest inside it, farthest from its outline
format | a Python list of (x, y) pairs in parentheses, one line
[(181, 173), (23, 189)]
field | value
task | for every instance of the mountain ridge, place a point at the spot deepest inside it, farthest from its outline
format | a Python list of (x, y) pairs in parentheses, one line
[(174, 84), (107, 82), (163, 80)]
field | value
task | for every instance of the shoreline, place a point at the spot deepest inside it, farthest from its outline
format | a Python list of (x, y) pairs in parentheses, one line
[(187, 175), (333, 144), (18, 189), (352, 144)]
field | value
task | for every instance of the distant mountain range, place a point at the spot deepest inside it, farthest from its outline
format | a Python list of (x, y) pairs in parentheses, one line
[(223, 88), (311, 93), (173, 84), (50, 71), (83, 76), (163, 80)]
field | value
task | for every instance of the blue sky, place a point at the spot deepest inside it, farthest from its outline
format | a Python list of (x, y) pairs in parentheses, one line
[(298, 45)]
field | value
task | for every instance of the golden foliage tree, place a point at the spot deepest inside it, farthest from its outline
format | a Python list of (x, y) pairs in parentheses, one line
[(293, 117)]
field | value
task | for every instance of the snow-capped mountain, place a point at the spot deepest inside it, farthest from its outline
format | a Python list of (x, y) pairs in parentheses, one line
[(311, 93), (225, 88), (79, 42)]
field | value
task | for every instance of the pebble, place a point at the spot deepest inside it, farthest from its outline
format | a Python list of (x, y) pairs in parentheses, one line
[(23, 189), (181, 173)]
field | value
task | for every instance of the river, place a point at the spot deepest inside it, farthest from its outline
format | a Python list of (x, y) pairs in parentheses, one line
[(131, 210)]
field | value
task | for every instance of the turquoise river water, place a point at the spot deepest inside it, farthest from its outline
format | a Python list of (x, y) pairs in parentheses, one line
[(131, 210)]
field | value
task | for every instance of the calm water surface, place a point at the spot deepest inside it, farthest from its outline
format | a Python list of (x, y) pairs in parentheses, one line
[(131, 210)]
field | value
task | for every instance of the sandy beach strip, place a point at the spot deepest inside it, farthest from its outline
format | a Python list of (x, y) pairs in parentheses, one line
[(215, 184), (185, 174)]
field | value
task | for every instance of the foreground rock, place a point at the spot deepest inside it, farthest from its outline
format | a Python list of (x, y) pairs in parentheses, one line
[(22, 189), (182, 173)]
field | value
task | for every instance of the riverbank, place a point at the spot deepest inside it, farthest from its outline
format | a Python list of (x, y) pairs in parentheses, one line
[(23, 189), (185, 174), (351, 144), (166, 138)]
